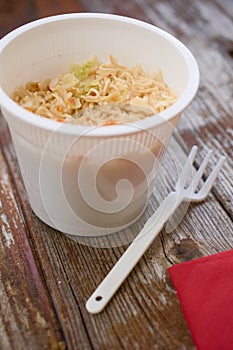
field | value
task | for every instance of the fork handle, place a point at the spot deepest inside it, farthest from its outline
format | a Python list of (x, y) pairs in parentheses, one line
[(102, 295)]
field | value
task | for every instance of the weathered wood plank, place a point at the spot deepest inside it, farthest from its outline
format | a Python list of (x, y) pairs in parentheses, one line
[(13, 14), (27, 318), (16, 13), (44, 8)]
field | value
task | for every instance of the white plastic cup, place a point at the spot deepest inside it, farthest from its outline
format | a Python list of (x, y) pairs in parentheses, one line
[(80, 180)]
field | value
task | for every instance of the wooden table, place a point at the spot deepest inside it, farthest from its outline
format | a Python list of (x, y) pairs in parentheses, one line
[(46, 277)]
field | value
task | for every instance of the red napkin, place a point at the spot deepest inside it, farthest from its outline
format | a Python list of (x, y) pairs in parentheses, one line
[(205, 290)]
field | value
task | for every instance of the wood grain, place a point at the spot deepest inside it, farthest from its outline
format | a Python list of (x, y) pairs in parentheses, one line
[(26, 311), (46, 277), (46, 8)]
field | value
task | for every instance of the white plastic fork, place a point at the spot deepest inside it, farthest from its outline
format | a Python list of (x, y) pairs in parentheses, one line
[(102, 295)]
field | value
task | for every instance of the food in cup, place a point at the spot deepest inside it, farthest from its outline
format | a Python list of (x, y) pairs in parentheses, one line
[(97, 93), (53, 155)]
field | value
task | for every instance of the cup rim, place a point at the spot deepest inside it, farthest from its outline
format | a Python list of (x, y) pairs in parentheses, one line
[(111, 130)]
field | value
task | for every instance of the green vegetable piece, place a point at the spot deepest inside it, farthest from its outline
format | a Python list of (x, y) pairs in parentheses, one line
[(81, 71)]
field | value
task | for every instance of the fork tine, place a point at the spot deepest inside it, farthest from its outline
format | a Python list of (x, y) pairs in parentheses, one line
[(200, 171), (209, 182), (187, 168)]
